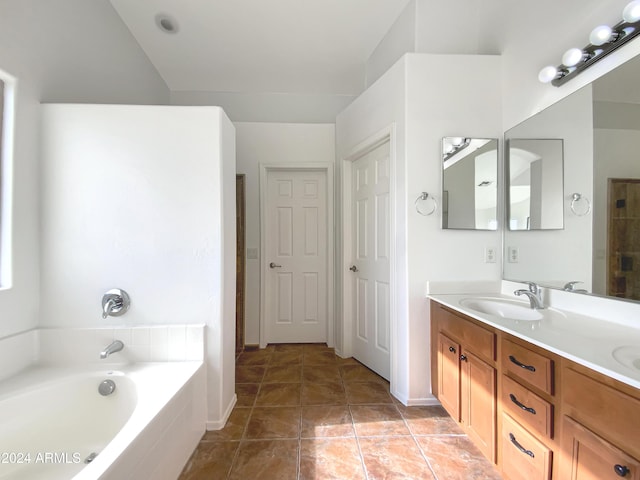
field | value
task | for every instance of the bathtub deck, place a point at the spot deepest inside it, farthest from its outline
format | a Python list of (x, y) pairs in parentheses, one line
[(304, 413)]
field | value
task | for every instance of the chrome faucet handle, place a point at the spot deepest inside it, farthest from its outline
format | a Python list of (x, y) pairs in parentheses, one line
[(533, 287), (115, 303), (570, 286)]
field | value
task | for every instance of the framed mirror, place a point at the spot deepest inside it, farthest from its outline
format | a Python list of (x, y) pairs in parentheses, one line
[(535, 184), (600, 244), (469, 183)]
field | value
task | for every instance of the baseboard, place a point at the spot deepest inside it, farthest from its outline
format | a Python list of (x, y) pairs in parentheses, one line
[(416, 402), (219, 425)]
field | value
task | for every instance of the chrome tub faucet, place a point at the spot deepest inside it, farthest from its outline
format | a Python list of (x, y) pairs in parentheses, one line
[(113, 347)]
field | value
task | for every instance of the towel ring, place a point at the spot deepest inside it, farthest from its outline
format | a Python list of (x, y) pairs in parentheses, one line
[(425, 196), (577, 197)]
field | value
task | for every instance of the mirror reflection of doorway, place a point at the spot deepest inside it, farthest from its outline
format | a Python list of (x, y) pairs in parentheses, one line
[(623, 238)]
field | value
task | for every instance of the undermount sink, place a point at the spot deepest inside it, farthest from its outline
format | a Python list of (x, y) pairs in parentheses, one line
[(628, 355), (503, 307)]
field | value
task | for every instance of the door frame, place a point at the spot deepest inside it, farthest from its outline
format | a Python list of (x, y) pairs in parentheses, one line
[(387, 134), (326, 167)]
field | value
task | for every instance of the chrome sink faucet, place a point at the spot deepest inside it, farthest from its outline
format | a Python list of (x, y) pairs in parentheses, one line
[(534, 295), (113, 347)]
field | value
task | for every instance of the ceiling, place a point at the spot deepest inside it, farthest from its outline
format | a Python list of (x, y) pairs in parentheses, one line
[(267, 46)]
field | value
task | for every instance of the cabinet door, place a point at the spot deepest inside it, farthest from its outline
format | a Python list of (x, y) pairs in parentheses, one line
[(593, 458), (449, 375), (478, 402)]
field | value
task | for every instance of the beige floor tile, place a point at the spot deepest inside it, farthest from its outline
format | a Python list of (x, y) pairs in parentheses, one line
[(457, 458), (394, 457), (326, 421), (265, 460), (273, 422), (330, 459), (278, 394), (378, 420)]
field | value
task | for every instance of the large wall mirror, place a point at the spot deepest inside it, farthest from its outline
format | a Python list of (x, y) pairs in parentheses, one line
[(470, 183), (535, 186), (600, 243)]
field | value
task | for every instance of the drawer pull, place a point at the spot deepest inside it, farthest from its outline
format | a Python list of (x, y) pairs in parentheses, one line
[(463, 358), (520, 447), (513, 359), (621, 470), (521, 405), (452, 349)]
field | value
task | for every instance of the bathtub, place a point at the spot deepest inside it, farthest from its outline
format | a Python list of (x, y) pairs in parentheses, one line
[(53, 419)]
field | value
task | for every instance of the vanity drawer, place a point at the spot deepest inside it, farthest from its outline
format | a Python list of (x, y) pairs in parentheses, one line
[(526, 407), (603, 409), (534, 368), (523, 456), (475, 338)]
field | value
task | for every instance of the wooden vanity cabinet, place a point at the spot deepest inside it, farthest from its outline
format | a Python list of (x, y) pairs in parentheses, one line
[(466, 373), (527, 408), (601, 426), (537, 415)]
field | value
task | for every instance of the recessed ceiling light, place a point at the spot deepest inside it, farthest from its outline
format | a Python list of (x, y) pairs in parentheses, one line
[(166, 23)]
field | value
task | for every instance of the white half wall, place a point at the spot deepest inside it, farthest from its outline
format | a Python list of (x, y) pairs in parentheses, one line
[(271, 143), (142, 198), (67, 50), (424, 105)]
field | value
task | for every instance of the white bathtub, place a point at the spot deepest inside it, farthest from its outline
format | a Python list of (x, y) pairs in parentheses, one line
[(52, 419)]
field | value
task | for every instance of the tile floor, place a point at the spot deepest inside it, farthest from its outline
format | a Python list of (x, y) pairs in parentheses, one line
[(304, 413)]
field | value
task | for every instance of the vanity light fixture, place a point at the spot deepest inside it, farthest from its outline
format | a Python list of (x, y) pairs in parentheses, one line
[(453, 145), (603, 40)]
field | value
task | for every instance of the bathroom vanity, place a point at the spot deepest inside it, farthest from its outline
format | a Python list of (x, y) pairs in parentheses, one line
[(538, 413)]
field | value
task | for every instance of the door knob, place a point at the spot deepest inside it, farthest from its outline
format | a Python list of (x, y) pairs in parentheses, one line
[(353, 268), (273, 265)]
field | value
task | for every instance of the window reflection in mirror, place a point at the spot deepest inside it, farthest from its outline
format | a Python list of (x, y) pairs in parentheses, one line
[(535, 184), (469, 183)]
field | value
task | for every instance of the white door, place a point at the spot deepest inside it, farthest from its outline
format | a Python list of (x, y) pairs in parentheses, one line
[(370, 259), (296, 256)]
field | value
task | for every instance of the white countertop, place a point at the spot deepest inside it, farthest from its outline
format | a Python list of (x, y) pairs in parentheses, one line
[(586, 340)]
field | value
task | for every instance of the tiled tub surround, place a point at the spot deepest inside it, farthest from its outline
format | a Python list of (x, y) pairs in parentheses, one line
[(304, 413), (588, 331), (163, 368)]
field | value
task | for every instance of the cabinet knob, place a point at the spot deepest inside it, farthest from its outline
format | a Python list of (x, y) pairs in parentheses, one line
[(621, 470), (463, 358), (452, 349)]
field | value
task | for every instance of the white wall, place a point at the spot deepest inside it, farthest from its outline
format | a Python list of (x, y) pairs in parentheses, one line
[(142, 198), (615, 156), (400, 39), (269, 107), (424, 105), (67, 50), (536, 34), (271, 143)]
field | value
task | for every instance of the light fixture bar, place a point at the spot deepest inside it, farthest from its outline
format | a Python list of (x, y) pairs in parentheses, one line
[(621, 33)]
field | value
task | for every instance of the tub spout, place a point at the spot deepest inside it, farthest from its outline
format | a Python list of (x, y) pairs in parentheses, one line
[(113, 347)]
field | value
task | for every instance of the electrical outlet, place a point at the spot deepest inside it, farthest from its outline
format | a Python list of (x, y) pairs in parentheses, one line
[(514, 255), (490, 255)]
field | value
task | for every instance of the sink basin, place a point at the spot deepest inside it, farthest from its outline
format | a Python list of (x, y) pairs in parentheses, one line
[(628, 355), (502, 307)]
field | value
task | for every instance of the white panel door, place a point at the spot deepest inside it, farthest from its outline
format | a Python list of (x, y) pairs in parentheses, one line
[(370, 259), (296, 256)]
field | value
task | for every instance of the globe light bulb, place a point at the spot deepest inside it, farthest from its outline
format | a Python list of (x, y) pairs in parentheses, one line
[(572, 57), (601, 35), (547, 74), (457, 141), (631, 12)]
